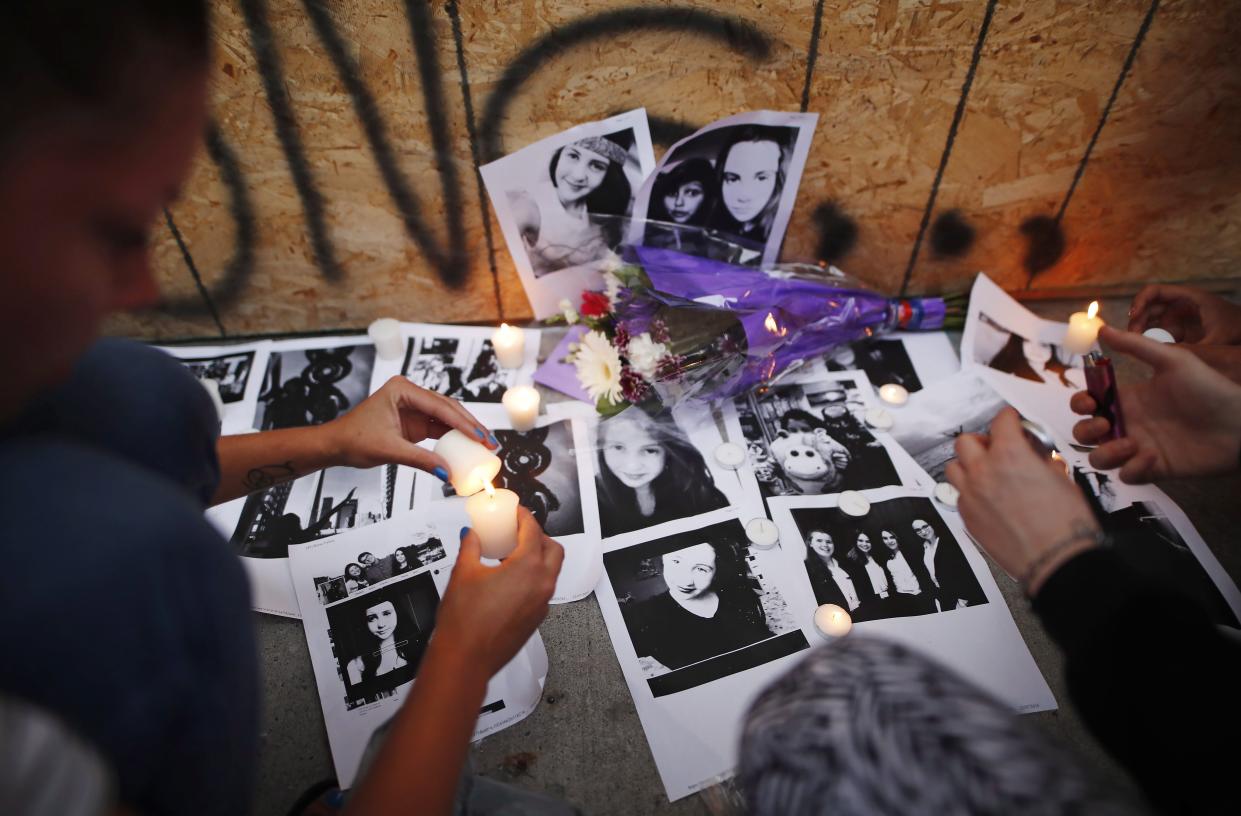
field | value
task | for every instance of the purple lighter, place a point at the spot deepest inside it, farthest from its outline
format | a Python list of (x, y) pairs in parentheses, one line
[(1101, 384)]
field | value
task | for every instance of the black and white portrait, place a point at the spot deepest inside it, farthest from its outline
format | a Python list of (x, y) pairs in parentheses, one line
[(696, 609), (809, 439), (1005, 350), (370, 568), (736, 179), (540, 466), (899, 559), (461, 367), (648, 471), (312, 386), (933, 419), (884, 361), (230, 371), (378, 638), (325, 503), (564, 203)]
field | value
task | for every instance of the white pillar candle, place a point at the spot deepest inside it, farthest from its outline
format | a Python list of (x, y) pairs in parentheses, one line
[(522, 404), (1083, 330), (893, 394), (385, 333), (471, 466), (493, 515), (510, 346), (832, 621)]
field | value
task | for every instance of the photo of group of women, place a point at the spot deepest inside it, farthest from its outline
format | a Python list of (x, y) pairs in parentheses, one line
[(727, 191), (696, 609), (564, 204), (370, 569), (649, 470), (378, 637), (811, 438), (899, 559)]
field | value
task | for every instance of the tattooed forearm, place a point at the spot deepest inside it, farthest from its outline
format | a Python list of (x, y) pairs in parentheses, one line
[(261, 478)]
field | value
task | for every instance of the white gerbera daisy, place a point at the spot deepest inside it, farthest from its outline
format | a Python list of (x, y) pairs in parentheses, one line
[(644, 355), (570, 314), (598, 367)]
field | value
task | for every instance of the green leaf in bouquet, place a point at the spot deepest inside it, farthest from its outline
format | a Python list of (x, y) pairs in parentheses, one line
[(606, 408)]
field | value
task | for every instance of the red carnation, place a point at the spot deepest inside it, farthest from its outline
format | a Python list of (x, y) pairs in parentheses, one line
[(595, 304)]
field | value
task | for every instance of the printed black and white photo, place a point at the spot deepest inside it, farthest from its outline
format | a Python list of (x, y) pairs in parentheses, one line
[(810, 438), (378, 638), (312, 507), (372, 567), (933, 418), (696, 609), (735, 179), (1146, 540), (230, 371), (564, 203), (884, 361), (311, 386), (648, 471), (463, 368), (540, 466), (899, 559), (1005, 350)]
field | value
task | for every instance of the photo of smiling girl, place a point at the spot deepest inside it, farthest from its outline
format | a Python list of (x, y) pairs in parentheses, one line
[(649, 472)]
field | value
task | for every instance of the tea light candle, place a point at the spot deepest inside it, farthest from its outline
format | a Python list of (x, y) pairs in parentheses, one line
[(947, 495), (853, 503), (832, 621), (880, 419), (1083, 330), (1161, 335), (510, 346), (385, 333), (493, 515), (763, 533), (522, 404), (893, 394), (470, 465)]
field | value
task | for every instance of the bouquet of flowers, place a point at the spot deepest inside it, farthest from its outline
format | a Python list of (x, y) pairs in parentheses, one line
[(670, 326)]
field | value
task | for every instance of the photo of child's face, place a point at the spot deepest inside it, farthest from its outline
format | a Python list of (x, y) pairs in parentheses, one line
[(631, 453), (749, 178), (579, 172), (683, 204), (689, 572), (381, 619)]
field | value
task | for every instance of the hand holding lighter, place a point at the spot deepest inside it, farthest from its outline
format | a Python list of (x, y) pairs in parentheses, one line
[(1101, 384)]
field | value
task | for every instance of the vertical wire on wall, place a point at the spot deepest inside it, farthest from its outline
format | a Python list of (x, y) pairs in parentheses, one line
[(189, 262)]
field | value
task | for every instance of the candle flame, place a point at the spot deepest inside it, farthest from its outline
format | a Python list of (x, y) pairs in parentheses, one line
[(1093, 310), (773, 326)]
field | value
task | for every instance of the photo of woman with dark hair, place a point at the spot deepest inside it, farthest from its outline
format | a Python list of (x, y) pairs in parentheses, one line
[(401, 561), (910, 583), (355, 578), (573, 216), (708, 608), (389, 647), (750, 174), (649, 473), (682, 198), (873, 582)]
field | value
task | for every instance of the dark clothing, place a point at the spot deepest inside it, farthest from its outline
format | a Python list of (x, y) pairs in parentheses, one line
[(618, 512), (1151, 677), (125, 613), (953, 574), (663, 629), (381, 570), (826, 590)]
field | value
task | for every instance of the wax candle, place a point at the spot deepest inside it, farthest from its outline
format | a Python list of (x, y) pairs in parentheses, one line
[(510, 346), (493, 515), (385, 333), (832, 621), (763, 533), (1083, 329), (522, 404), (893, 394), (470, 465)]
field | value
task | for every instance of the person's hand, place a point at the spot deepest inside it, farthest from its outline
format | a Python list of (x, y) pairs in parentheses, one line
[(490, 612), (386, 427), (1184, 421), (1188, 314), (1019, 506)]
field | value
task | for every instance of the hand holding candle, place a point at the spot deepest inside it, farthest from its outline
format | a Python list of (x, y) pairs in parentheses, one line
[(493, 515), (471, 466), (1083, 330)]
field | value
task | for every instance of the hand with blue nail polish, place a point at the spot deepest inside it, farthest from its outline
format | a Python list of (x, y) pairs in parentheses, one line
[(387, 426)]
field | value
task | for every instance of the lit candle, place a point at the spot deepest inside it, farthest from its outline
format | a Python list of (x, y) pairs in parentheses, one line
[(493, 515), (832, 621), (470, 465), (893, 394), (1083, 330), (522, 404), (385, 333), (510, 346)]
